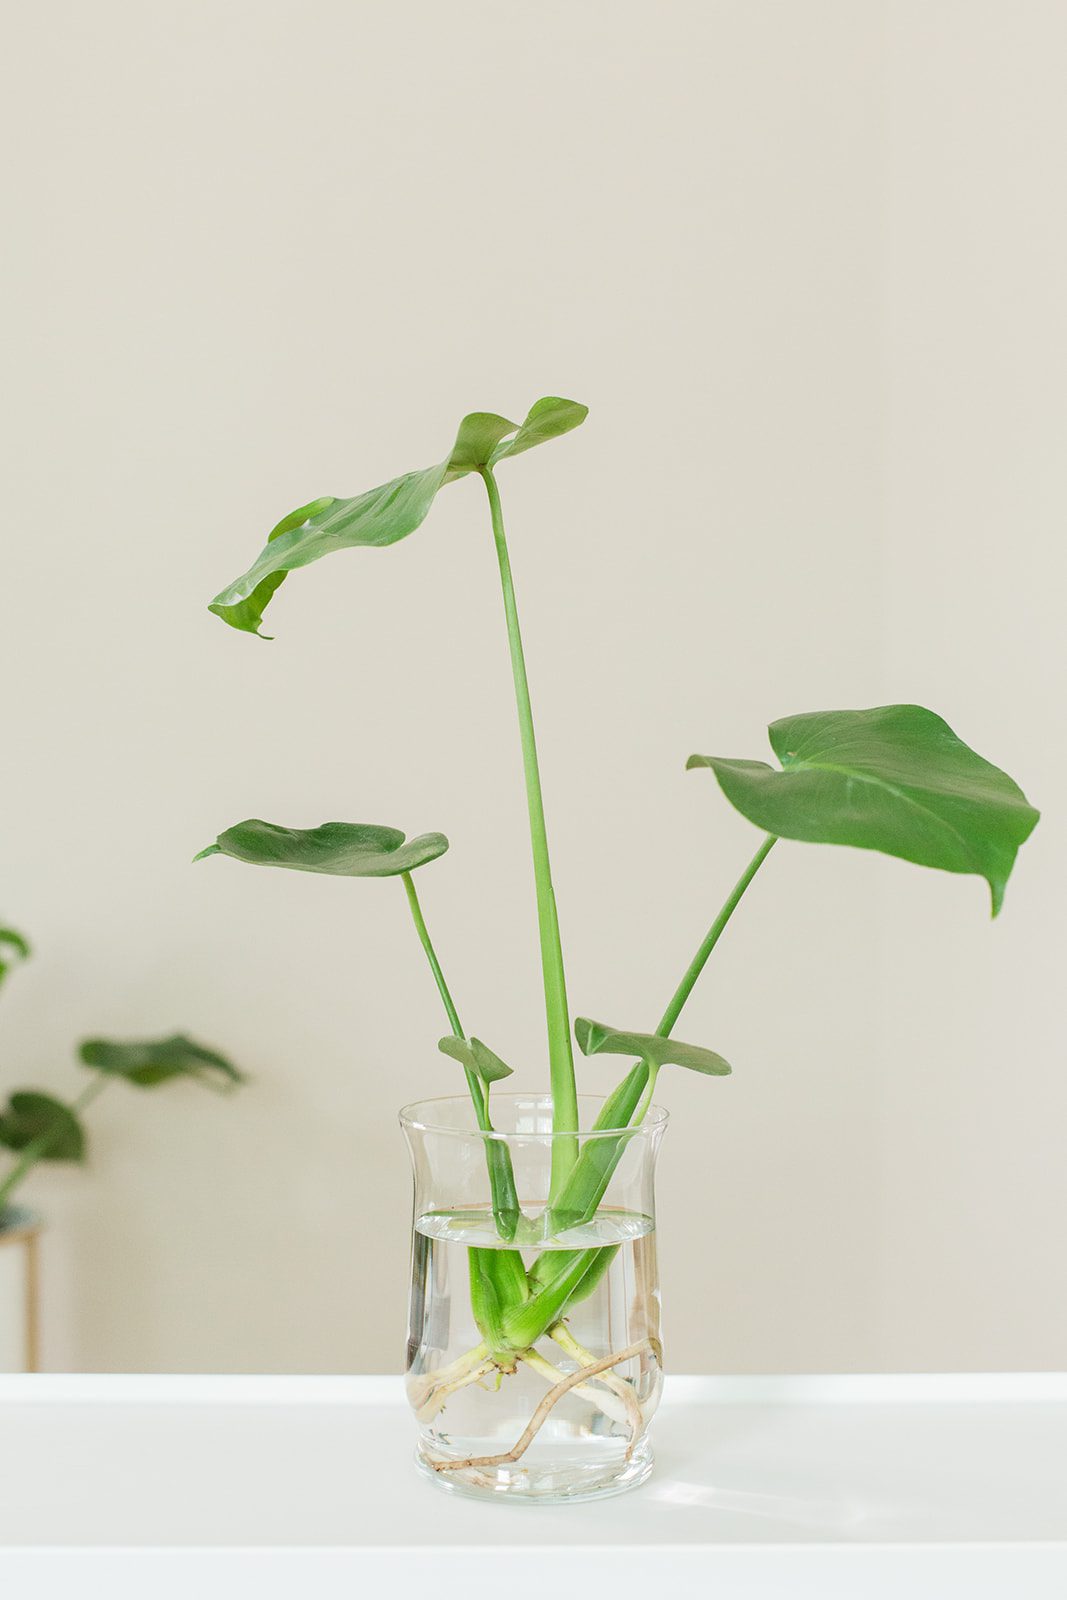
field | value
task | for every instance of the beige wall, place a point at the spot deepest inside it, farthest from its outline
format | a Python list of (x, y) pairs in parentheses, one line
[(805, 262)]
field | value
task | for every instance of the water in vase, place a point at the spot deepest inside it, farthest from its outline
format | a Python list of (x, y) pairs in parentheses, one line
[(473, 1410)]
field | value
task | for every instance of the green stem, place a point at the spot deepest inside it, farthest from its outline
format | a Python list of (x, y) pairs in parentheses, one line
[(646, 1098), (95, 1087), (561, 1060), (474, 1083), (38, 1148), (627, 1104), (497, 1154), (560, 1279), (431, 956), (711, 938)]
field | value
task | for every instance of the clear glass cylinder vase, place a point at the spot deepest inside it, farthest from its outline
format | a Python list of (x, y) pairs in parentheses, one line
[(534, 1361)]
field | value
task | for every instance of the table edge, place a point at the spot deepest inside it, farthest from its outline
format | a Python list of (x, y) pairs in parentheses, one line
[(377, 1389)]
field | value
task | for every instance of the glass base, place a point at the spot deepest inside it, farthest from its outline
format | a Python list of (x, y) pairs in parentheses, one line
[(544, 1482)]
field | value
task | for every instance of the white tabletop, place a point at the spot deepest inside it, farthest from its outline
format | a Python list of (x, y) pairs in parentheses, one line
[(764, 1487)]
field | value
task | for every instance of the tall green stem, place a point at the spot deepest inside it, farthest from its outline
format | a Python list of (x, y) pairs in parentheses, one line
[(698, 963), (38, 1148), (560, 1056)]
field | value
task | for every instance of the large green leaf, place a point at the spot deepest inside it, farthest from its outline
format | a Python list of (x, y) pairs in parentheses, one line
[(390, 512), (343, 849), (476, 1056), (13, 947), (654, 1049), (895, 779), (146, 1062), (30, 1116)]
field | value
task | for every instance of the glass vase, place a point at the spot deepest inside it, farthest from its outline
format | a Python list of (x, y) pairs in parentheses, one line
[(534, 1361)]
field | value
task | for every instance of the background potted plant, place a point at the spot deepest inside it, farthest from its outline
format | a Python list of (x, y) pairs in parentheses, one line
[(534, 1355), (36, 1127)]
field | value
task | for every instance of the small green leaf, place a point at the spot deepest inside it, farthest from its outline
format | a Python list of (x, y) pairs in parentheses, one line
[(342, 849), (146, 1062), (388, 513), (595, 1039), (13, 947), (547, 419), (894, 779), (30, 1116), (472, 1053)]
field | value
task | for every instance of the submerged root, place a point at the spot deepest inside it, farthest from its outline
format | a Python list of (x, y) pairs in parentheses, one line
[(430, 1392), (561, 1334), (572, 1380), (605, 1402)]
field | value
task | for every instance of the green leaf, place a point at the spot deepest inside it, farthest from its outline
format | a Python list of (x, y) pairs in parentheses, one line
[(13, 947), (475, 1055), (390, 512), (247, 614), (895, 779), (146, 1062), (30, 1116), (342, 849), (595, 1039), (547, 419)]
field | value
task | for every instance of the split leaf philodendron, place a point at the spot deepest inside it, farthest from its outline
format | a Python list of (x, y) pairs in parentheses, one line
[(37, 1127), (895, 779)]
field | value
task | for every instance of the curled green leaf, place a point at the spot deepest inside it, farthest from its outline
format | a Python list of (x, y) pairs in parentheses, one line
[(546, 419), (388, 513), (655, 1050), (476, 1056), (894, 779), (342, 849), (247, 614), (146, 1062)]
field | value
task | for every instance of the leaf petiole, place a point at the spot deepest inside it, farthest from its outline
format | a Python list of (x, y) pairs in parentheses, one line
[(711, 938), (506, 1209), (560, 1055)]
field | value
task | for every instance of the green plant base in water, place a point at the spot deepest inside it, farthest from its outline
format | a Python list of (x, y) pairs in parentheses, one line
[(549, 1396)]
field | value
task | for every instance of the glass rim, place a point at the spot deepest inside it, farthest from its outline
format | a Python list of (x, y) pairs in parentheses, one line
[(654, 1121)]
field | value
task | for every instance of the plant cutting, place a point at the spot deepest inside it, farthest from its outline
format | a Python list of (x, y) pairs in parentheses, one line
[(534, 1354), (37, 1127)]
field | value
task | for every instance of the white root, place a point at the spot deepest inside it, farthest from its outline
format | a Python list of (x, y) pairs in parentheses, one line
[(605, 1402), (571, 1381), (562, 1336), (430, 1392)]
